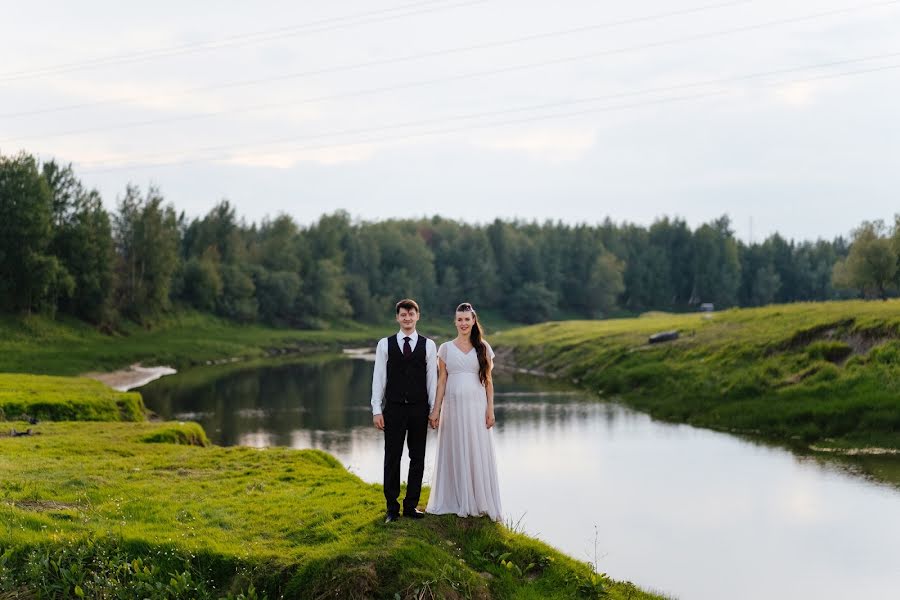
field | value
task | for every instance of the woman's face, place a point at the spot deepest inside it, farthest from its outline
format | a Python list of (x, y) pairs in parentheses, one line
[(464, 322)]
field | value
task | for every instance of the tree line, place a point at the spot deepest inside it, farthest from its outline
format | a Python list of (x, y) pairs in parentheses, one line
[(61, 250)]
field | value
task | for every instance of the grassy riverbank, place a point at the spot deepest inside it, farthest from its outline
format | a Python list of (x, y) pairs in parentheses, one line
[(822, 374), (65, 346), (40, 345), (65, 399), (106, 510), (152, 510)]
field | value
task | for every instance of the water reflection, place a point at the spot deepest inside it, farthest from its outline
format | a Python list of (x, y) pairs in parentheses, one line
[(695, 513), (270, 403)]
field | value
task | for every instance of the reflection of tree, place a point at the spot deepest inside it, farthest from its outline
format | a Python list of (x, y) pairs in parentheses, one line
[(162, 403), (279, 400), (233, 396), (323, 404)]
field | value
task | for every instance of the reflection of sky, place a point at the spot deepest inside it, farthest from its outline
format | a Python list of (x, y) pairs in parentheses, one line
[(361, 450), (695, 513), (698, 513)]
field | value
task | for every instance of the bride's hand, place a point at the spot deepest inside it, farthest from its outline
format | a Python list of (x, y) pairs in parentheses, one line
[(434, 420), (489, 419)]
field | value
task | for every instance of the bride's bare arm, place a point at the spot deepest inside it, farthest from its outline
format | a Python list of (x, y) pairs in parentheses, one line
[(435, 417), (489, 390)]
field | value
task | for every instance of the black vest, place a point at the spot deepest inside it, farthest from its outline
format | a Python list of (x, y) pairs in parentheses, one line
[(406, 377)]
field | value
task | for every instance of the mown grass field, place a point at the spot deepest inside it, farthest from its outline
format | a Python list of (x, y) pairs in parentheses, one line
[(826, 373), (144, 510)]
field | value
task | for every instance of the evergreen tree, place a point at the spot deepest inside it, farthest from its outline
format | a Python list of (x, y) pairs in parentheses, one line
[(83, 244), (717, 268), (147, 241), (31, 278)]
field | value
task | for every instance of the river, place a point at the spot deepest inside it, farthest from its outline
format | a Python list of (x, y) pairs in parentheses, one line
[(692, 513)]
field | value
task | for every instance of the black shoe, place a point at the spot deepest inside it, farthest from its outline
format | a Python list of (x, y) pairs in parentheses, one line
[(391, 517), (414, 514)]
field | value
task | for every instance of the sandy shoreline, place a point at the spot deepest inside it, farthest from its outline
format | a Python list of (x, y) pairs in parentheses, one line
[(360, 353), (134, 376)]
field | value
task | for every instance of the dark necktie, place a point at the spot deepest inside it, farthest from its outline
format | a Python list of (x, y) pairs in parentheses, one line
[(407, 351)]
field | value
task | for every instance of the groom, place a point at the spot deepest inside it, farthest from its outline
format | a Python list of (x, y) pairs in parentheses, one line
[(403, 388)]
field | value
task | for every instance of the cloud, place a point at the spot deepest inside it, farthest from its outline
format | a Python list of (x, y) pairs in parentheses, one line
[(796, 94), (290, 158), (171, 97), (551, 145)]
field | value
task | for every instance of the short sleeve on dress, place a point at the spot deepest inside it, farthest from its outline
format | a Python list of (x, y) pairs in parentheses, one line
[(490, 351), (442, 352)]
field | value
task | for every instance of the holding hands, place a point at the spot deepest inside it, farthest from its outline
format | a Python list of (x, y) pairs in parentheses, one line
[(434, 419)]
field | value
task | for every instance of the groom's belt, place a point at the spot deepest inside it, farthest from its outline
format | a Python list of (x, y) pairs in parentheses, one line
[(406, 399)]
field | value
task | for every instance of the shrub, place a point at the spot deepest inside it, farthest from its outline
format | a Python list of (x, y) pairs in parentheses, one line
[(102, 568), (186, 434)]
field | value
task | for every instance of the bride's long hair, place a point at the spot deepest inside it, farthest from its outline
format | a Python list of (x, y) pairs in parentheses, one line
[(484, 372)]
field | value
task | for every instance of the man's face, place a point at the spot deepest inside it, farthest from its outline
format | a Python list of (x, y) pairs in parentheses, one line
[(407, 318)]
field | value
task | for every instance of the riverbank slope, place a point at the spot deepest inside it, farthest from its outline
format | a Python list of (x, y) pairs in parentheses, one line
[(825, 375)]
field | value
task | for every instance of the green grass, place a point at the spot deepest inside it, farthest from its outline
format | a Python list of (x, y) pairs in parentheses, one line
[(122, 510), (41, 345), (65, 346), (65, 399), (825, 373), (97, 509)]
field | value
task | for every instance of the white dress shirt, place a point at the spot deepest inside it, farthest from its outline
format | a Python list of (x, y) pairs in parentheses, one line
[(379, 378)]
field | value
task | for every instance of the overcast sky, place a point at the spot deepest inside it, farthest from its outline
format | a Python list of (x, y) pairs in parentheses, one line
[(782, 115)]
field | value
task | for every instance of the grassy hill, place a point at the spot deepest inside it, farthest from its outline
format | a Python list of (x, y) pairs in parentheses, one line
[(826, 374)]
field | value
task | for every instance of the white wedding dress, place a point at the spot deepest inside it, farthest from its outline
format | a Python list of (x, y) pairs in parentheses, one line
[(465, 466)]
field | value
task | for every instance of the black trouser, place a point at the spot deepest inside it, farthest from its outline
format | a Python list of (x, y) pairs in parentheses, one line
[(409, 422)]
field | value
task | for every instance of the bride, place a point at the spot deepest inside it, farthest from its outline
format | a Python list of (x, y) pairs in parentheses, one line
[(465, 467)]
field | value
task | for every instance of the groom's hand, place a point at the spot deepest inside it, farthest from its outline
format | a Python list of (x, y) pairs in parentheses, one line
[(378, 420)]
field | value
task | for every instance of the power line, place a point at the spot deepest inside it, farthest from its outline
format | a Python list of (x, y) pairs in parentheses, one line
[(408, 58), (432, 54), (643, 91), (433, 132), (239, 40), (89, 169)]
